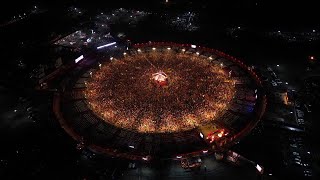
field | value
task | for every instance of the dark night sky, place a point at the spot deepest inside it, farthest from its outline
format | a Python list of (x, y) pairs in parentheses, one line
[(294, 12)]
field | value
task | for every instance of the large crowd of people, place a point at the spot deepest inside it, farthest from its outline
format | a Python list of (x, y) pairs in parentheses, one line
[(123, 92)]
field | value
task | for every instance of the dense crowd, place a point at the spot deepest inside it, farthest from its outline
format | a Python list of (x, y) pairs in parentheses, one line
[(124, 93)]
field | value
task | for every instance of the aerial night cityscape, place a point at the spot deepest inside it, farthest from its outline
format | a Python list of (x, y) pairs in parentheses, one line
[(159, 89)]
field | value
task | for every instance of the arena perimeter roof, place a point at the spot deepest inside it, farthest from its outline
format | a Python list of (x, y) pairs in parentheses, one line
[(156, 99)]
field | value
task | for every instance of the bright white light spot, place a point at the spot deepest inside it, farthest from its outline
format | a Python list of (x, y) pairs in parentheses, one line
[(131, 146), (15, 110), (106, 45), (287, 83), (179, 157), (169, 48), (154, 48), (210, 58), (111, 58), (314, 30), (201, 135), (221, 64), (78, 59), (124, 53), (193, 46), (278, 65), (205, 151), (197, 53), (239, 27), (139, 50), (259, 168), (183, 50)]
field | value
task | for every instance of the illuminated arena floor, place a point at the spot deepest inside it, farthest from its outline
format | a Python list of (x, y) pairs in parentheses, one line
[(160, 100)]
